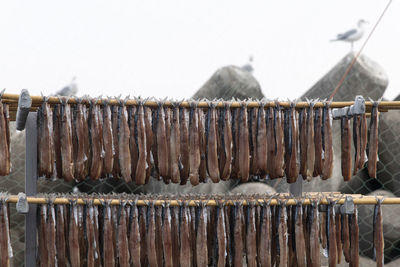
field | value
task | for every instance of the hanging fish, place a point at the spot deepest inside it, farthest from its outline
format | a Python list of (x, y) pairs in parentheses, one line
[(81, 142), (203, 146), (89, 235), (314, 236), (291, 143), (354, 232), (5, 124), (310, 141), (275, 215), (331, 231), (143, 235), (184, 145), (244, 152), (252, 116), (115, 117), (379, 243), (123, 247), (279, 162), (140, 177), (161, 137), (346, 148), (107, 139), (45, 149), (327, 144), (364, 140), (154, 125), (175, 234), (226, 142), (185, 252), (338, 224), (211, 144), (300, 243), (149, 142), (134, 236), (175, 146), (318, 124), (346, 237), (237, 236), (194, 145), (96, 227), (221, 236), (265, 236), (235, 143), (57, 139), (151, 236), (373, 141), (357, 142), (251, 237), (66, 142), (96, 141), (167, 236), (303, 138), (283, 237), (73, 235), (201, 238), (133, 145), (61, 226), (271, 145), (167, 119), (43, 256), (51, 235), (159, 241), (123, 141), (193, 227), (261, 146)]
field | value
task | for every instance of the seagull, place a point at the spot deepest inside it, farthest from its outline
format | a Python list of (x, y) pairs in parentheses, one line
[(69, 90), (353, 34)]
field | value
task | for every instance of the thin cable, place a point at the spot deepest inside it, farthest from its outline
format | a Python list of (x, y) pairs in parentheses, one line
[(359, 52)]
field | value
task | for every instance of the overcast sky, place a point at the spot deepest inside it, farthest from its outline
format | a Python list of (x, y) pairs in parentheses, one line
[(170, 48)]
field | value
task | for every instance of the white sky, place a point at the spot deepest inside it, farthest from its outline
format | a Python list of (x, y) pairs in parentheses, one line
[(170, 48)]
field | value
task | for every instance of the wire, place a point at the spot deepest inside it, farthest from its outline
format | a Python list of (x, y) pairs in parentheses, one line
[(359, 52)]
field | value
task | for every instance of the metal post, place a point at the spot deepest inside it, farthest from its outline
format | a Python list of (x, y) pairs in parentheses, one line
[(296, 189), (30, 189)]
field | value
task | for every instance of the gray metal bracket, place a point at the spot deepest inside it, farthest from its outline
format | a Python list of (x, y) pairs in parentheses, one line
[(22, 205), (24, 106), (348, 206), (356, 109)]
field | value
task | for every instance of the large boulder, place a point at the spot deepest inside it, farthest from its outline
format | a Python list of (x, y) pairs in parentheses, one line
[(228, 82)]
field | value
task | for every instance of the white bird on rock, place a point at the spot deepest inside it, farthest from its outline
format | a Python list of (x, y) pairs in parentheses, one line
[(352, 35)]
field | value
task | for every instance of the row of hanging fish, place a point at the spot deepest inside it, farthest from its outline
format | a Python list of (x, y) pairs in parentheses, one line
[(5, 163), (257, 234), (361, 136), (179, 144)]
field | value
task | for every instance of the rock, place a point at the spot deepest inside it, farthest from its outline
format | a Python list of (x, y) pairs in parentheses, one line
[(391, 225), (230, 81), (253, 188)]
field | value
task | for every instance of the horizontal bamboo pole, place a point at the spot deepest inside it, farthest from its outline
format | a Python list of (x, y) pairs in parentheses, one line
[(363, 200)]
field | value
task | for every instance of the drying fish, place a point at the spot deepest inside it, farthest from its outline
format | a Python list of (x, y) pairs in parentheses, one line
[(193, 227), (310, 141), (134, 235), (175, 235), (6, 132), (90, 239), (185, 255), (203, 146), (133, 145), (346, 237), (123, 247), (354, 231), (261, 147), (123, 141), (338, 224), (159, 238), (357, 142), (283, 237), (108, 247), (143, 235), (161, 137), (303, 127), (271, 145), (323, 231), (61, 226), (194, 145), (252, 116), (291, 143), (346, 148), (107, 134), (244, 153), (57, 139), (81, 142), (115, 131), (96, 141), (73, 235), (154, 118), (221, 235), (238, 235), (373, 141), (226, 142), (201, 238), (167, 237), (45, 142), (43, 256), (175, 146), (184, 145), (314, 237), (300, 243), (331, 231), (66, 142), (279, 155), (140, 177), (364, 139), (149, 142), (327, 143), (151, 236), (51, 235), (251, 235), (167, 119), (265, 236), (318, 165), (379, 245), (211, 144)]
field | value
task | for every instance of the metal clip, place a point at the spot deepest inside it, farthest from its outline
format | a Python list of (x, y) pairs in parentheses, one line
[(356, 109), (22, 204), (348, 206)]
